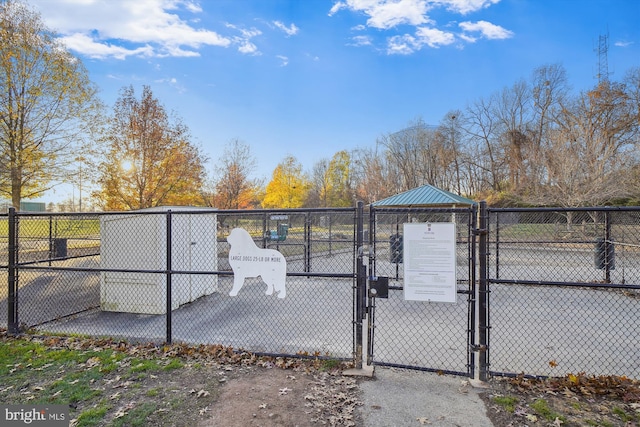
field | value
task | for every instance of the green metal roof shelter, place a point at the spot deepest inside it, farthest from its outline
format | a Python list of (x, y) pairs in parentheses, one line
[(426, 195)]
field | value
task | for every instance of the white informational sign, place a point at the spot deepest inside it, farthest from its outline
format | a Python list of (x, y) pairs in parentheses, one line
[(248, 260), (430, 262)]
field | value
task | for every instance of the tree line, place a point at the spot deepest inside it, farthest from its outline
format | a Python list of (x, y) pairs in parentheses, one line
[(532, 143)]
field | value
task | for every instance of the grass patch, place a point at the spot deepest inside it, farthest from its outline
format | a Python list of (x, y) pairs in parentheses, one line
[(542, 408), (137, 416), (329, 364), (92, 416), (173, 364), (507, 402), (101, 384), (620, 413)]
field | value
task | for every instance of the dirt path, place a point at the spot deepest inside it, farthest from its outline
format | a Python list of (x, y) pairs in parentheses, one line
[(283, 398)]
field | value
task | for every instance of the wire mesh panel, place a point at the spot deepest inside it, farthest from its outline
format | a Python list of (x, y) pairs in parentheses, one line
[(434, 336), (165, 274), (314, 317), (565, 291), (554, 330)]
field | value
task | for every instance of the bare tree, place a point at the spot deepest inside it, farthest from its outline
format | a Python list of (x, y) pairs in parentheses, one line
[(482, 129), (318, 185), (592, 151)]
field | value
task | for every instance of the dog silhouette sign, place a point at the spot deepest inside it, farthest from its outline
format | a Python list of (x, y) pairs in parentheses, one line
[(248, 260)]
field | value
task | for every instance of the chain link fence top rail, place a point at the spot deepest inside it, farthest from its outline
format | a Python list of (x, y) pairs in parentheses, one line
[(106, 274), (564, 291)]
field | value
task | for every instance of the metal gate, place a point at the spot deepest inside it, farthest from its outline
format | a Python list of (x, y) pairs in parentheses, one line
[(423, 335)]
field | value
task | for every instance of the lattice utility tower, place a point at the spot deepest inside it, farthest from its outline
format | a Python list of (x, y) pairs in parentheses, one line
[(603, 62)]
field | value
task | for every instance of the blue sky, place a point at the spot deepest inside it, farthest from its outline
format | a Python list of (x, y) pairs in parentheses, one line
[(309, 78)]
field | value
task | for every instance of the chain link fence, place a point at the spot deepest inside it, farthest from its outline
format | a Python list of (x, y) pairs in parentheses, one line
[(564, 291), (164, 275), (436, 336)]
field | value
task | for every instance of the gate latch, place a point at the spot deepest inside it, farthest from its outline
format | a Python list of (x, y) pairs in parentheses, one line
[(478, 347), (379, 287)]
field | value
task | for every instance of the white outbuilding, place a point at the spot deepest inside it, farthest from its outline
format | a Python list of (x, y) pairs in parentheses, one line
[(138, 241)]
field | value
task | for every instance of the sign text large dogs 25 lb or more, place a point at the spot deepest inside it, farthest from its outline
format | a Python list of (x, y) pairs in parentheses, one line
[(430, 262)]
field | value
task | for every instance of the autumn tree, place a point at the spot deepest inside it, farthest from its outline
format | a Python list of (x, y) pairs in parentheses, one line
[(288, 186), (339, 189), (150, 160), (373, 176), (234, 189), (46, 99)]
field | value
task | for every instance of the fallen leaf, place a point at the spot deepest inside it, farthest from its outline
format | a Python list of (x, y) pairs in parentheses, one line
[(93, 361), (423, 420), (263, 406), (520, 411), (532, 418), (203, 393), (558, 422), (284, 391)]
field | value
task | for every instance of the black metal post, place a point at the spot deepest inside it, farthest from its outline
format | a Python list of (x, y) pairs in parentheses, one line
[(51, 245), (608, 252), (307, 245), (12, 282), (483, 293), (372, 241), (472, 289), (361, 284), (168, 273)]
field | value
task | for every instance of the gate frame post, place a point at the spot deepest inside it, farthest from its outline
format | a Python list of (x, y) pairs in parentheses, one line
[(483, 294), (361, 284)]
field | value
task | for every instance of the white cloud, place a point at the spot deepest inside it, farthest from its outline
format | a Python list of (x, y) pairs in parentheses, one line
[(622, 43), (361, 41), (466, 6), (284, 61), (291, 30), (401, 45), (88, 46), (336, 7), (386, 14), (245, 45), (390, 14), (173, 82), (408, 44), (487, 29), (433, 37), (101, 28)]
